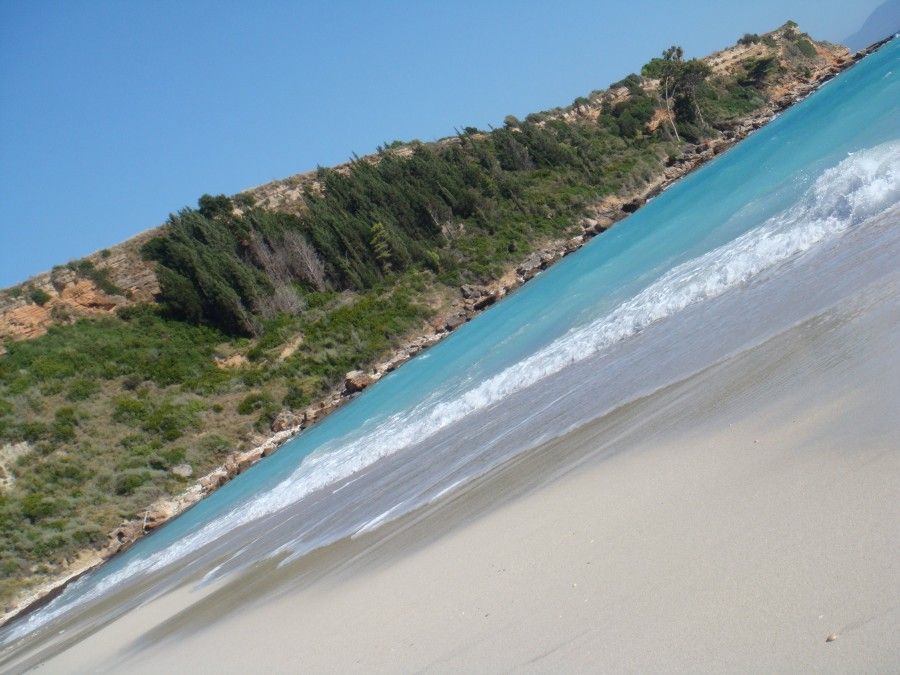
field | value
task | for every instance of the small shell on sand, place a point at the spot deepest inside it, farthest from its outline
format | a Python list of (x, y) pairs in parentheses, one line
[(831, 638)]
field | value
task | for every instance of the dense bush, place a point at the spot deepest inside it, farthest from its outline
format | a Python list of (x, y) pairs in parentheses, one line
[(36, 506), (39, 296), (235, 269), (129, 481), (82, 389), (629, 118), (167, 420), (145, 345), (253, 402)]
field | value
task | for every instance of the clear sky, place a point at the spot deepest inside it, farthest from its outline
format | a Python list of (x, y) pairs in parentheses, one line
[(114, 114)]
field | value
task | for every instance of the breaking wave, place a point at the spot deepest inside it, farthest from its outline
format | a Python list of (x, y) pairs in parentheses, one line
[(864, 185)]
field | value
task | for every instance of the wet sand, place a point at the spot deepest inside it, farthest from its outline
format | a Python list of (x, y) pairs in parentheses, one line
[(730, 522)]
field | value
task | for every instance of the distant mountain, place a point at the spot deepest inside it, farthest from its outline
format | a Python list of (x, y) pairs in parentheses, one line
[(884, 21)]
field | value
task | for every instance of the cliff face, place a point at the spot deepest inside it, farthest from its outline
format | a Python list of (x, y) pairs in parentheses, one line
[(70, 295)]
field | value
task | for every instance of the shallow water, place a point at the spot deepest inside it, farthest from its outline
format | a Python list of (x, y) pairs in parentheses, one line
[(797, 217)]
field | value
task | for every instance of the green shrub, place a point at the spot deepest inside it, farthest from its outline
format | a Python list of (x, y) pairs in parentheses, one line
[(36, 506), (63, 428), (33, 431), (253, 402), (806, 48), (144, 346), (129, 410), (82, 389), (129, 481), (757, 71), (172, 456), (170, 420), (245, 200), (297, 396), (214, 446), (39, 296), (11, 566), (57, 473)]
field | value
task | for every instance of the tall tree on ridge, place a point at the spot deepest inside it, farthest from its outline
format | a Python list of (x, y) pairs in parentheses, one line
[(668, 70)]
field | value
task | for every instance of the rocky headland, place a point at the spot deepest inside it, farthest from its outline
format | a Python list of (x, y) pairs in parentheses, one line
[(76, 291)]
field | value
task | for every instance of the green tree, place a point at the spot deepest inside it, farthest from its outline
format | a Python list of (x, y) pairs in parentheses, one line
[(667, 70), (691, 75), (211, 207), (679, 79), (381, 245)]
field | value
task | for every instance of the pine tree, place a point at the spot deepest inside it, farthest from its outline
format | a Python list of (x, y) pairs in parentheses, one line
[(381, 246)]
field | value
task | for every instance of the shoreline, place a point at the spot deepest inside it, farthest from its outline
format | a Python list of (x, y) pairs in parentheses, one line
[(474, 299), (602, 550)]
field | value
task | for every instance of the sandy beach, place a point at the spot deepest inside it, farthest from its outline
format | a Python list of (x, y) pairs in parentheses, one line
[(731, 522)]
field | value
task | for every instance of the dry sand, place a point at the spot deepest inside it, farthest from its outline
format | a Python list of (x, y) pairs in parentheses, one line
[(729, 523)]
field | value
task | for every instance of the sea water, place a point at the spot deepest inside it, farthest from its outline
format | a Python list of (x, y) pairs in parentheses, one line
[(799, 214)]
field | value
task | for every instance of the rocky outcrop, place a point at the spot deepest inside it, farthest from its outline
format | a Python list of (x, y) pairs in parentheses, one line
[(287, 419), (68, 295), (356, 380), (232, 361), (183, 470)]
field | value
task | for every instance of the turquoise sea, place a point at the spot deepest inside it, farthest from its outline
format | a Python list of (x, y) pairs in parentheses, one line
[(766, 235)]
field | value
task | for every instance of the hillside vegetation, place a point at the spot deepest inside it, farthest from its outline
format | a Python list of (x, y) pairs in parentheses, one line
[(262, 309)]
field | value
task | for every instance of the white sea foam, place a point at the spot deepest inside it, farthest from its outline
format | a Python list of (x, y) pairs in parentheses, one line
[(863, 185), (376, 522)]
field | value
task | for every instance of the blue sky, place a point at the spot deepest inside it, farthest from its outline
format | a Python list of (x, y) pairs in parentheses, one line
[(114, 114)]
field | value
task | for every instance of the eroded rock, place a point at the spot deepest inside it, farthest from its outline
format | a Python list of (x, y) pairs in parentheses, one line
[(183, 470), (356, 380), (287, 419)]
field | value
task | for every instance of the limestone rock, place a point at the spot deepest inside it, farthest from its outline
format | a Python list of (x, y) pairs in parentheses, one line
[(183, 470), (158, 513), (454, 322), (213, 480), (574, 243), (287, 419), (356, 380), (469, 292), (247, 459), (633, 205), (530, 266), (486, 300)]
